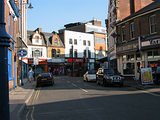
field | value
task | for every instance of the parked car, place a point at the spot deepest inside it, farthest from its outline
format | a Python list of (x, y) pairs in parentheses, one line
[(106, 77), (89, 76), (45, 78)]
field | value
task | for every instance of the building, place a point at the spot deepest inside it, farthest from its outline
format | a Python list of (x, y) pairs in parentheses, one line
[(139, 41), (37, 51), (56, 54), (79, 51), (94, 27), (117, 11), (12, 27)]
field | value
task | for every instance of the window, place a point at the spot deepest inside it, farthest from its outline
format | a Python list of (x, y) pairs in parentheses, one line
[(156, 53), (58, 53), (138, 56), (130, 57), (75, 53), (128, 68), (37, 39), (89, 54), (132, 30), (75, 41), (84, 42), (70, 41), (55, 41), (152, 21), (70, 52), (150, 54), (123, 33), (53, 53), (89, 43), (84, 54), (9, 22)]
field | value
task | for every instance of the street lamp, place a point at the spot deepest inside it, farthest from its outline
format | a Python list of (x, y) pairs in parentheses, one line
[(4, 44)]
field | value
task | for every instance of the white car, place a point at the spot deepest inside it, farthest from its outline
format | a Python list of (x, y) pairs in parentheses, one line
[(89, 76)]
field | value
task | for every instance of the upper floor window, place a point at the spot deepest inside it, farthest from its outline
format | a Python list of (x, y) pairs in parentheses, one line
[(84, 55), (71, 53), (89, 54), (89, 43), (37, 52), (132, 30), (75, 41), (152, 22), (84, 42), (70, 41), (123, 33), (53, 52), (58, 53), (37, 39), (56, 41)]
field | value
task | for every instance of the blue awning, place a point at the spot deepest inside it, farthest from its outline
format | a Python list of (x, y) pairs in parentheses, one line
[(14, 7)]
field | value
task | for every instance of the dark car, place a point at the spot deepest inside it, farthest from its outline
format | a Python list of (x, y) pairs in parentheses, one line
[(106, 77), (45, 78)]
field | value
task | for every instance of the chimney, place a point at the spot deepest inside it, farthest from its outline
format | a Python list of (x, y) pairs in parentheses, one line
[(39, 30), (132, 7)]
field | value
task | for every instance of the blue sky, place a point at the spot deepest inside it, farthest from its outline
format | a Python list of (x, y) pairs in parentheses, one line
[(52, 15)]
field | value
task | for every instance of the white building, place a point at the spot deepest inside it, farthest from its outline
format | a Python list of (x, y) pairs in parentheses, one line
[(83, 52)]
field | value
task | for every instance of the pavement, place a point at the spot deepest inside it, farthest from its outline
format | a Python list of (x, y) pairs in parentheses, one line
[(19, 97)]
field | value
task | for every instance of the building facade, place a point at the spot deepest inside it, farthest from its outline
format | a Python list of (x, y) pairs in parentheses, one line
[(138, 44)]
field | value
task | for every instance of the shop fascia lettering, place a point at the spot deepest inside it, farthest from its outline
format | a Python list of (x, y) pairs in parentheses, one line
[(155, 42)]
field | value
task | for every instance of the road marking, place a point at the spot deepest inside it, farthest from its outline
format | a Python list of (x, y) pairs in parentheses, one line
[(150, 93), (32, 113), (79, 87)]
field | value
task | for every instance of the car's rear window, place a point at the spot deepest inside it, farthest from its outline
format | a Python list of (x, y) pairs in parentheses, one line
[(45, 75), (109, 71), (92, 72)]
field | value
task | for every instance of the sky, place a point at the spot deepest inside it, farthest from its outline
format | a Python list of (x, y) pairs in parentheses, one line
[(52, 15)]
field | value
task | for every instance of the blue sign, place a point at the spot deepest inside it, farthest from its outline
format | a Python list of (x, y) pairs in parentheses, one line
[(22, 53)]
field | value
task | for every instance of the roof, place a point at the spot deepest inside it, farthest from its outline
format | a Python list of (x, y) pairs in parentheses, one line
[(148, 8)]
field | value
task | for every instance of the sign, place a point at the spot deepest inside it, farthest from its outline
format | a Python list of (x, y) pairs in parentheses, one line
[(36, 61), (75, 60), (22, 53), (56, 60), (146, 76)]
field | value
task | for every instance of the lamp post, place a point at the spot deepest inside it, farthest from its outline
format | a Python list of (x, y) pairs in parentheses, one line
[(4, 44)]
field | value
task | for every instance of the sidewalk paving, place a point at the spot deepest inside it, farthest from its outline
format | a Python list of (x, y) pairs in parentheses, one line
[(19, 97)]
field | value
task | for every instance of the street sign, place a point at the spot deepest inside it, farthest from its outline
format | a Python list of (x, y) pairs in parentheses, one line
[(36, 61), (22, 53)]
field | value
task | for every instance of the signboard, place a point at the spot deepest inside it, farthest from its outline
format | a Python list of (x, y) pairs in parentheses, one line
[(75, 60), (56, 60), (146, 76), (22, 53)]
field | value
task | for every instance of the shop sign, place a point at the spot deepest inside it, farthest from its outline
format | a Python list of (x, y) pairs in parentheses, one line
[(75, 60), (56, 60), (155, 42), (146, 76)]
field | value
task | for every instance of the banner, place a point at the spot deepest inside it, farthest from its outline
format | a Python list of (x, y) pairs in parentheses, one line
[(146, 76)]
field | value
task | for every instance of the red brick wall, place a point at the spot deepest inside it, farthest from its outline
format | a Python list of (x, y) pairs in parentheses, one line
[(139, 4)]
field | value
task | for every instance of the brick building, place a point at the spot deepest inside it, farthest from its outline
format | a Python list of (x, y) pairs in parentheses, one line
[(139, 40), (117, 11)]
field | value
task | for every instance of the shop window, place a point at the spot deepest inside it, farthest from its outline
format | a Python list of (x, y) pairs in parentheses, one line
[(150, 54), (124, 57), (156, 54), (130, 57), (138, 56), (128, 69)]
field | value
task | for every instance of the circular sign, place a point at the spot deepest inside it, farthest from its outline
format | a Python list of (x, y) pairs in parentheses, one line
[(22, 53)]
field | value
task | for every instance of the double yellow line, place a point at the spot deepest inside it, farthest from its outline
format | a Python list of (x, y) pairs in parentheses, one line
[(36, 94)]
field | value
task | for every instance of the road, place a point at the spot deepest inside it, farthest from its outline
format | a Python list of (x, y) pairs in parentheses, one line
[(72, 99)]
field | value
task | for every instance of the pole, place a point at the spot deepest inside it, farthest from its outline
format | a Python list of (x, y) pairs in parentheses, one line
[(35, 73), (72, 62), (4, 44), (21, 44)]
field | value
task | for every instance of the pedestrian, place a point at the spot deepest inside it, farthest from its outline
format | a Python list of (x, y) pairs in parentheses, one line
[(30, 75)]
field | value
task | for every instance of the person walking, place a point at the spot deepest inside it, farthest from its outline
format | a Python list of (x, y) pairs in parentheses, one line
[(30, 75)]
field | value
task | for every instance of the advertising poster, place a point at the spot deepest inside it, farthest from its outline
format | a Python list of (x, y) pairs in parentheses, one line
[(146, 76)]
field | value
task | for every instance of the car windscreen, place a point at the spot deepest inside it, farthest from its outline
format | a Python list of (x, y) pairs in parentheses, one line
[(45, 75), (92, 72), (109, 71)]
